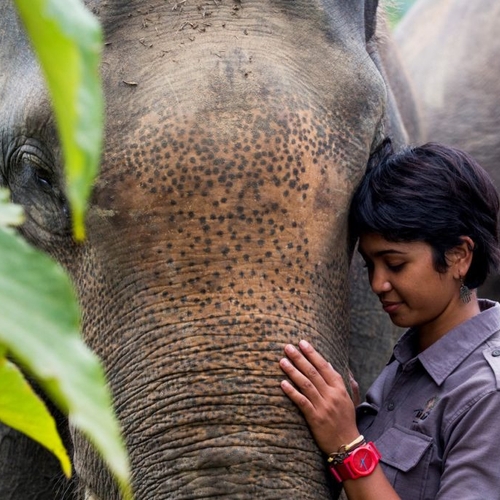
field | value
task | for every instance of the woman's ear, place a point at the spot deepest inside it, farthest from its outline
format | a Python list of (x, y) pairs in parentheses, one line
[(460, 257)]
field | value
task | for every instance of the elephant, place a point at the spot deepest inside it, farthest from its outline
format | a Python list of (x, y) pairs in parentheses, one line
[(451, 52), (27, 470), (236, 132)]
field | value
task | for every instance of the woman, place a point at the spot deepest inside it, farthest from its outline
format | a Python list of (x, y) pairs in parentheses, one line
[(426, 221)]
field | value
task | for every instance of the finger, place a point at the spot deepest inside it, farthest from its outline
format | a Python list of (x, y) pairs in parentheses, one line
[(324, 368), (356, 396), (303, 374), (305, 406), (297, 377)]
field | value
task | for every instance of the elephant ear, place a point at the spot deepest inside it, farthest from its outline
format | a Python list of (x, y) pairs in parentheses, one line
[(370, 18)]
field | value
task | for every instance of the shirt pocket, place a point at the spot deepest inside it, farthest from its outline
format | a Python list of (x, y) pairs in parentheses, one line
[(406, 457)]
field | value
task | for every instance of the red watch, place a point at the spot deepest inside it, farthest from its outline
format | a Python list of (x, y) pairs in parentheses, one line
[(360, 462)]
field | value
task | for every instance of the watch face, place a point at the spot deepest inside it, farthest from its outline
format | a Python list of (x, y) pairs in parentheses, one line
[(363, 461)]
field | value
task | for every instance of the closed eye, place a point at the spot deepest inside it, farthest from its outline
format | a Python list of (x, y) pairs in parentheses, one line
[(395, 267)]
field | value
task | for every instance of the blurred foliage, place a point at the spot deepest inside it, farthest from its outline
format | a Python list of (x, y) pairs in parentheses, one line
[(39, 315), (67, 39), (396, 9)]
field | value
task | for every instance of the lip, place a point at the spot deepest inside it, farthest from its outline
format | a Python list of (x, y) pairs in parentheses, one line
[(390, 307)]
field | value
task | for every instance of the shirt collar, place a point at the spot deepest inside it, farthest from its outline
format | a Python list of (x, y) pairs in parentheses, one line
[(442, 357)]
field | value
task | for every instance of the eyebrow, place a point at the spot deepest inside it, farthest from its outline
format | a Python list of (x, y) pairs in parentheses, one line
[(381, 253)]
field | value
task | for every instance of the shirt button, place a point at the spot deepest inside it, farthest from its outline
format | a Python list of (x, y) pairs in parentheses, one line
[(496, 353), (390, 406)]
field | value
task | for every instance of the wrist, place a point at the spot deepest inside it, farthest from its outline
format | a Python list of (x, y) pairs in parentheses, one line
[(343, 451)]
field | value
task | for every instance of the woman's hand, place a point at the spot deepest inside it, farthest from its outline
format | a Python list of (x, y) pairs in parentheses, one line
[(356, 396), (321, 395)]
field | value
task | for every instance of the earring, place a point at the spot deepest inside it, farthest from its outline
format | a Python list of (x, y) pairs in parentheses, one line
[(465, 293)]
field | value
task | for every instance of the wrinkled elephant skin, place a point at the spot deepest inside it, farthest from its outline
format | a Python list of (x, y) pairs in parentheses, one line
[(236, 133), (451, 50)]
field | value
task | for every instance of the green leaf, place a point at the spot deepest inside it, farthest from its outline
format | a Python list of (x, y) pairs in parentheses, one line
[(39, 326), (23, 410), (68, 41), (10, 214)]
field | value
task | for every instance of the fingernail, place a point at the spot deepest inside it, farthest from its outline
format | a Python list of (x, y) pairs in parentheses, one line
[(285, 362), (289, 348), (304, 344)]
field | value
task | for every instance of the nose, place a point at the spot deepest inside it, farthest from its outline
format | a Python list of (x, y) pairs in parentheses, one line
[(379, 281)]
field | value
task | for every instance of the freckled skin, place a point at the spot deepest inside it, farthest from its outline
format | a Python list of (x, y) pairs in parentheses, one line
[(235, 135)]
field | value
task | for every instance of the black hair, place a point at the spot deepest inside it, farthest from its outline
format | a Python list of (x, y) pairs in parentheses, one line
[(432, 193)]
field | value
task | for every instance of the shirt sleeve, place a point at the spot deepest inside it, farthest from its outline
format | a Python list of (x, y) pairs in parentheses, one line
[(472, 452)]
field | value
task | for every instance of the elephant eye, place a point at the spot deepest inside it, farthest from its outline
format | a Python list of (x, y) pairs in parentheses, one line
[(43, 179), (34, 183), (41, 175)]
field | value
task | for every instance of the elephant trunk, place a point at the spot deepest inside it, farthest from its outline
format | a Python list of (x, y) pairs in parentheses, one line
[(199, 398)]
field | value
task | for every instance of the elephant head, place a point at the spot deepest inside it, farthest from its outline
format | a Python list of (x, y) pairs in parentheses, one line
[(236, 132)]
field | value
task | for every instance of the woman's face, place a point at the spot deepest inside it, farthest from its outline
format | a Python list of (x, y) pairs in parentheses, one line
[(411, 291)]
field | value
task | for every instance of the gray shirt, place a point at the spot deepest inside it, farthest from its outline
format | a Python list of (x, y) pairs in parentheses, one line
[(435, 416)]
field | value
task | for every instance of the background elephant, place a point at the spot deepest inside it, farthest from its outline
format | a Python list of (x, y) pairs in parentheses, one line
[(452, 52), (236, 133)]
